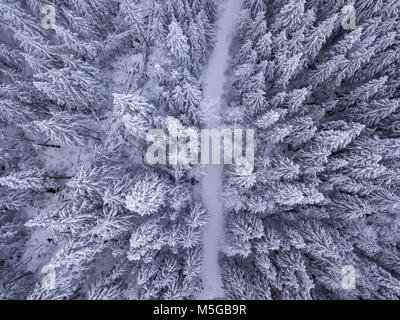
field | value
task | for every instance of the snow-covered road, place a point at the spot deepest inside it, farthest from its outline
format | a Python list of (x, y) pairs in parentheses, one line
[(214, 80)]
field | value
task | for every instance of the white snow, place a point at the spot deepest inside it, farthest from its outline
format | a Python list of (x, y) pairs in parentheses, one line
[(214, 80)]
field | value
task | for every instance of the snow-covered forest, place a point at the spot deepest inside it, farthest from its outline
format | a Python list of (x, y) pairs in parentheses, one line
[(85, 215), (325, 193)]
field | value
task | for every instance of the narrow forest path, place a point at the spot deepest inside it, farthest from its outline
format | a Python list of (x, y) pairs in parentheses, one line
[(214, 80)]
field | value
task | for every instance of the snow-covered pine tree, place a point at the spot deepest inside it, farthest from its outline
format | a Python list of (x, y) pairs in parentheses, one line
[(325, 104), (52, 95), (74, 126)]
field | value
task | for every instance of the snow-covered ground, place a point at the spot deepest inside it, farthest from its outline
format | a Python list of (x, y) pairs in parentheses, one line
[(214, 80)]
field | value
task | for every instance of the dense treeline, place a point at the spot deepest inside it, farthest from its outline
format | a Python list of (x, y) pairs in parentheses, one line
[(325, 191), (76, 103)]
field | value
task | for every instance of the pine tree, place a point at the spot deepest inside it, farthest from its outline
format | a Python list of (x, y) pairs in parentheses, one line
[(177, 43), (324, 193)]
